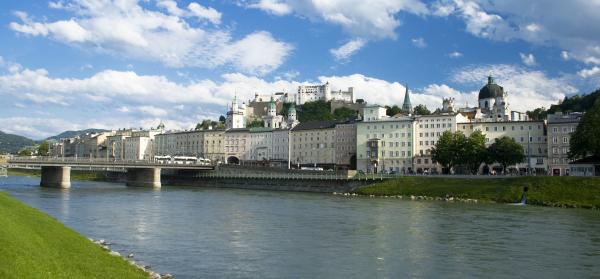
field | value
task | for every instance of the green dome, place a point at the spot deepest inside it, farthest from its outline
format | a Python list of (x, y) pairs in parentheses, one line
[(491, 90)]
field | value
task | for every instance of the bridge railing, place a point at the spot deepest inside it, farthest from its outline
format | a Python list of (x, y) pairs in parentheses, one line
[(93, 161)]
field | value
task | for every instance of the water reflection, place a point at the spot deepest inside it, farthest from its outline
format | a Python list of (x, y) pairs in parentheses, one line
[(221, 233)]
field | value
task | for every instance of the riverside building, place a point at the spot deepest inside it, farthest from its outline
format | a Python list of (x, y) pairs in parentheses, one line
[(560, 128)]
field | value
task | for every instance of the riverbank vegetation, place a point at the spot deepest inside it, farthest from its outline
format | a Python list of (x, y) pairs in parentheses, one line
[(35, 245), (543, 190), (75, 174)]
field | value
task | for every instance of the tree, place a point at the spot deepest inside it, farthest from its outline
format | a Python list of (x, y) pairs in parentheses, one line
[(538, 114), (391, 111), (43, 148), (204, 125), (344, 113), (285, 108), (506, 151), (421, 110), (255, 124), (585, 140), (315, 111), (449, 149), (222, 119), (474, 151), (25, 152)]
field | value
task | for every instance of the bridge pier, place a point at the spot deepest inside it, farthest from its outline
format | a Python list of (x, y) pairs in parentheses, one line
[(56, 177), (143, 177)]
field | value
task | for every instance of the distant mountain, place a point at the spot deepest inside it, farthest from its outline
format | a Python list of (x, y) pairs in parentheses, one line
[(72, 134), (10, 143)]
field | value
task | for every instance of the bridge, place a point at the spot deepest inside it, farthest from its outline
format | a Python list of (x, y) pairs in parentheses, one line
[(56, 172)]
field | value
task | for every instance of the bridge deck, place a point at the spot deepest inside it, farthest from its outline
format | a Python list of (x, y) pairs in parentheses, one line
[(87, 163)]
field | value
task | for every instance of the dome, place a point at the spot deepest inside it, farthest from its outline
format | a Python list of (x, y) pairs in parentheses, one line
[(491, 90)]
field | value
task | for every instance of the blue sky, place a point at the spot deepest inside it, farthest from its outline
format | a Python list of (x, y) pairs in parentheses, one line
[(73, 64)]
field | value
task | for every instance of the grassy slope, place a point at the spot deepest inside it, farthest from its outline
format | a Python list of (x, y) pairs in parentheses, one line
[(554, 191), (35, 245)]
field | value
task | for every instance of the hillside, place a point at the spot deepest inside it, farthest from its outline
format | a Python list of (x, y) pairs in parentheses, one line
[(72, 134), (576, 103), (10, 143)]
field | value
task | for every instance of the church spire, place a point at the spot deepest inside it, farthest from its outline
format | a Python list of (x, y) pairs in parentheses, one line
[(407, 106)]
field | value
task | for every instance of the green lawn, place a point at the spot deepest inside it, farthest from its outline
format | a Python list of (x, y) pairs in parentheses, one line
[(543, 190), (35, 245)]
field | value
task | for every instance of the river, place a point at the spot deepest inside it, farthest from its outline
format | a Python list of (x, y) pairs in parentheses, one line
[(194, 232)]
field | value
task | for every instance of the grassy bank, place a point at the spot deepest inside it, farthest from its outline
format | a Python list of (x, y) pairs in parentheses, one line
[(544, 190), (35, 245), (75, 174)]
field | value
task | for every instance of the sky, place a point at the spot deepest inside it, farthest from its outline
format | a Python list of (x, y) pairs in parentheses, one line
[(76, 64)]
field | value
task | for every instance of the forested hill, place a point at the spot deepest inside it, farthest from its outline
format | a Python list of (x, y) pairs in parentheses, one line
[(72, 134), (577, 103), (10, 143)]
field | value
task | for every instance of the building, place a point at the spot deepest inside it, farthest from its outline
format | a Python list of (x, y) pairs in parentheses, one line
[(184, 143), (493, 102), (530, 134), (345, 145), (383, 142), (312, 93), (272, 119), (589, 166), (137, 148), (213, 148), (236, 116), (269, 147), (237, 145), (428, 129), (560, 128), (313, 144)]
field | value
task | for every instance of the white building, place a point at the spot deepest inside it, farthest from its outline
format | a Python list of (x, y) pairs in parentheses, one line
[(236, 116), (138, 148), (311, 93)]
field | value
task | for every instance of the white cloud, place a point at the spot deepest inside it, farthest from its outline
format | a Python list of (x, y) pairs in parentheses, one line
[(455, 54), (152, 110), (539, 22), (125, 28), (272, 6), (202, 12), (419, 42), (527, 59), (586, 73), (565, 55), (375, 19), (345, 51), (526, 89)]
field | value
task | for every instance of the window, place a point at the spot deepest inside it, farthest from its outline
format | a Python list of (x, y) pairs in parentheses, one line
[(554, 140), (555, 129), (487, 129), (565, 140)]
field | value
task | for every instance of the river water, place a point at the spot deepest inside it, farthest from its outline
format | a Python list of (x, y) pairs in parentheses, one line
[(194, 232)]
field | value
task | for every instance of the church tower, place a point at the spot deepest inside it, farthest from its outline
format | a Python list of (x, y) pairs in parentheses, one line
[(407, 106), (292, 119)]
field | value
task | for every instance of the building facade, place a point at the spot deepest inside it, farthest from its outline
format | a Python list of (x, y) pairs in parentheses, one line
[(560, 128), (313, 144), (312, 93)]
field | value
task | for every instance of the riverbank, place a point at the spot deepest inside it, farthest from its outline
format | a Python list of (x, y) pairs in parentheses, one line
[(581, 192), (75, 174), (35, 245)]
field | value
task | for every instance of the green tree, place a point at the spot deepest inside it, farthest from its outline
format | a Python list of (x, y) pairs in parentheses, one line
[(315, 111), (585, 140), (474, 151), (285, 107), (538, 114), (449, 149), (43, 148), (421, 110), (391, 111), (344, 113), (255, 124), (204, 125), (25, 152), (506, 151)]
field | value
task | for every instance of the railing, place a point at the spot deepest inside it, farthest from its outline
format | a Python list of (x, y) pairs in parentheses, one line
[(33, 160)]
